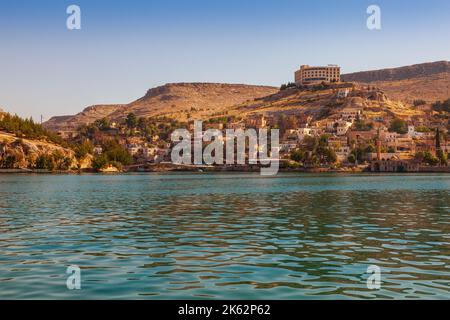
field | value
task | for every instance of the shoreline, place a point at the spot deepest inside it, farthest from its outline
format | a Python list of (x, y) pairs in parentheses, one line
[(349, 171)]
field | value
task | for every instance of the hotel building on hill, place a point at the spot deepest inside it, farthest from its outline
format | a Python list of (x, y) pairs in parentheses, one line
[(307, 75)]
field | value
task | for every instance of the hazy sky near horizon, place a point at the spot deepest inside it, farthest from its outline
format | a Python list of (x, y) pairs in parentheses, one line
[(126, 47)]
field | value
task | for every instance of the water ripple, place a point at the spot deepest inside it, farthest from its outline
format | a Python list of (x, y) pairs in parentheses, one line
[(225, 236)]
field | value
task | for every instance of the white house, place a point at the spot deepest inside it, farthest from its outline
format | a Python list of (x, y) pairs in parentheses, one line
[(98, 150), (149, 152), (286, 147), (303, 132), (343, 93)]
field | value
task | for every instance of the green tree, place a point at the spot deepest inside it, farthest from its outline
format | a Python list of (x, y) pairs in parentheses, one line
[(100, 161), (116, 152), (398, 125), (360, 125), (28, 129), (102, 124), (45, 161), (370, 148), (441, 106), (391, 149), (329, 155), (419, 102), (442, 157), (84, 148), (427, 157), (319, 150), (131, 121), (358, 154), (351, 158), (8, 162), (298, 155)]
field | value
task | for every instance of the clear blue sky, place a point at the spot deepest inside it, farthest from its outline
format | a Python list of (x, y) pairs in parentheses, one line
[(127, 47)]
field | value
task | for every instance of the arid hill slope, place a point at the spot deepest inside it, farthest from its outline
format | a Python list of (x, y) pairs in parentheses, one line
[(426, 81), (88, 115), (401, 73), (323, 104), (177, 100)]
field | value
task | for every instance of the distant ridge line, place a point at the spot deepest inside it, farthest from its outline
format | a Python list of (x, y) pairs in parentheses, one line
[(400, 73)]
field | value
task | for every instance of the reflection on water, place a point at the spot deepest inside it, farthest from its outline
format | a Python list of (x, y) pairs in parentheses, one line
[(228, 236)]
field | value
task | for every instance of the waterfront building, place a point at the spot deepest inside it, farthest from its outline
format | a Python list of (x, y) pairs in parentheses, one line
[(342, 153), (394, 166), (382, 156)]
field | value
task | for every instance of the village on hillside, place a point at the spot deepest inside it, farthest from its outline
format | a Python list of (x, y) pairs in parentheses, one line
[(342, 126)]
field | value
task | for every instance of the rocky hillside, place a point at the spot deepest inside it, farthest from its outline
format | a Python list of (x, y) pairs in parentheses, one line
[(88, 115), (324, 103), (25, 153), (25, 144), (426, 81), (401, 73), (177, 100), (182, 101)]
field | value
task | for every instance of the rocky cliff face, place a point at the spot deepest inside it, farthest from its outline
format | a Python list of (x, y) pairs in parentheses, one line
[(402, 73), (175, 100)]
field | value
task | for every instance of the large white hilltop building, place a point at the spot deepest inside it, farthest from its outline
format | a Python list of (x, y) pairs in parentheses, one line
[(308, 75)]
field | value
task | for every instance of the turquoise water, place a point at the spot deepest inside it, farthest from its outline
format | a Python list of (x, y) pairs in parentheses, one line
[(224, 236)]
